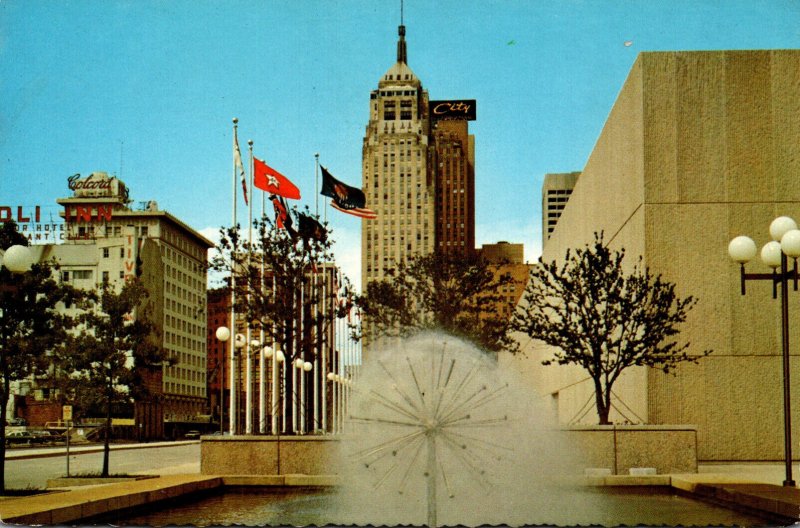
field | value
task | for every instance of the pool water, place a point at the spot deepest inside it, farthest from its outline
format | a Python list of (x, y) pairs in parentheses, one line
[(302, 507)]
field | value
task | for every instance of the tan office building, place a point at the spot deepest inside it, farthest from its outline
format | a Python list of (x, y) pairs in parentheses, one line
[(418, 172), (108, 240), (556, 190), (698, 148), (395, 175)]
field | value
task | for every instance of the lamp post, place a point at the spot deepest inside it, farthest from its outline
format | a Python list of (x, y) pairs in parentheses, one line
[(223, 334), (279, 362), (238, 342), (785, 244), (17, 259)]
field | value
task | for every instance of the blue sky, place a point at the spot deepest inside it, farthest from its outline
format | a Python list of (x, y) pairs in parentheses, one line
[(147, 89)]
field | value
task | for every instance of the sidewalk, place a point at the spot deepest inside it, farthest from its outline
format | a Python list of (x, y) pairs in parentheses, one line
[(54, 451)]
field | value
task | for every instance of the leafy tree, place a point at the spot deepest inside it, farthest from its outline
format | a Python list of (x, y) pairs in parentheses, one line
[(454, 293), (114, 351), (30, 324), (278, 283), (604, 319)]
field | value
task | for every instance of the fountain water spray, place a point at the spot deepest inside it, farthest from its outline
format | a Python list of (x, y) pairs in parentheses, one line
[(434, 424)]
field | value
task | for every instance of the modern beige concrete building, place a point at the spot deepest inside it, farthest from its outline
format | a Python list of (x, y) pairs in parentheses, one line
[(698, 148), (556, 189)]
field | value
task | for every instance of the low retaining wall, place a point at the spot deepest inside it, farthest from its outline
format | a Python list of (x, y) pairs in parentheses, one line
[(667, 448), (268, 455)]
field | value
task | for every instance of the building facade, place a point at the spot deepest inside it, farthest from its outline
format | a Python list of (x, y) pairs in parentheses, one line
[(395, 172), (556, 190), (454, 170), (106, 240), (509, 260), (699, 147), (417, 172)]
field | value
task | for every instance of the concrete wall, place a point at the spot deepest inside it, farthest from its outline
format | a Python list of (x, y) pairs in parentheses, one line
[(699, 147), (268, 455)]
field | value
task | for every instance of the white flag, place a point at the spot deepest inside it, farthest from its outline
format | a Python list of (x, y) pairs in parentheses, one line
[(237, 159)]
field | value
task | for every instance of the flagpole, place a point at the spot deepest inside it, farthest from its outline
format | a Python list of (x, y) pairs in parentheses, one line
[(232, 391), (335, 411), (248, 363), (275, 365), (301, 370), (262, 382), (293, 366), (317, 345), (323, 353)]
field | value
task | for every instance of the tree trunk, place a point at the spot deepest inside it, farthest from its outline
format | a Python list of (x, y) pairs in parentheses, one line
[(602, 401), (288, 386)]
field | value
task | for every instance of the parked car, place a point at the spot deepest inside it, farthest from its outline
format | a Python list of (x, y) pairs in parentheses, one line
[(20, 437), (192, 435), (17, 421), (45, 437)]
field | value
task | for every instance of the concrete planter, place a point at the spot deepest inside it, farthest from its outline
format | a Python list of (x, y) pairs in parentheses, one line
[(68, 482), (268, 455), (628, 449)]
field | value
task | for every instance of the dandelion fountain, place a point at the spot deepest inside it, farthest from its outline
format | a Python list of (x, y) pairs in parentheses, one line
[(435, 426)]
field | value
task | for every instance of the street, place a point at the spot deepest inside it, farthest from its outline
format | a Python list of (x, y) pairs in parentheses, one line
[(160, 460)]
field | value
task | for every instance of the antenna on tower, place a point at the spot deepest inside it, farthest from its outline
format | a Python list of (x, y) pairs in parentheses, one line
[(402, 54), (121, 150)]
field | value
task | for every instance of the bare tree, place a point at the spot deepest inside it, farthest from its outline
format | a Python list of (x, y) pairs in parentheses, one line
[(603, 319), (279, 286)]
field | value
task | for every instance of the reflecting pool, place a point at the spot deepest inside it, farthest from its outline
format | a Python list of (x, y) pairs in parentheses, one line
[(303, 507)]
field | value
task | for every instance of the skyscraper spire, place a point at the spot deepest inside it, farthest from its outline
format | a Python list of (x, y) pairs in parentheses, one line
[(401, 41)]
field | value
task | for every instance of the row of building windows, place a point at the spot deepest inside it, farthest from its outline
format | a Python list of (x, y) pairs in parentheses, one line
[(182, 388), (396, 93)]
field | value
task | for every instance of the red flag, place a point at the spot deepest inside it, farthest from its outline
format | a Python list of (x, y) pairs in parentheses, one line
[(283, 220), (273, 182)]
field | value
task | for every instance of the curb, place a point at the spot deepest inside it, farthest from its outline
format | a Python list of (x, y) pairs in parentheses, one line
[(81, 450)]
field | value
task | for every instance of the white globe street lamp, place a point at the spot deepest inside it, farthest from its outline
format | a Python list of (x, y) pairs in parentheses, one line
[(223, 333), (742, 249), (790, 243), (18, 259), (785, 244)]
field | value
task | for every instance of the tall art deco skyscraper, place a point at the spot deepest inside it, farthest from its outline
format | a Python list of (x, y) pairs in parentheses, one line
[(417, 174)]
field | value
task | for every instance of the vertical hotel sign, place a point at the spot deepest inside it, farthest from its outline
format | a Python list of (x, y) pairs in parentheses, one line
[(130, 247), (131, 252)]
